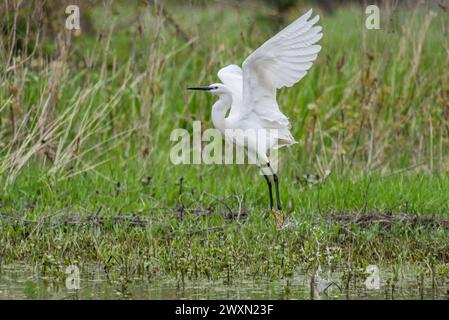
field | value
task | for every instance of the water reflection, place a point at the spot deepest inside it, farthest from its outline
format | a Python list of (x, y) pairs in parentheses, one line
[(23, 282)]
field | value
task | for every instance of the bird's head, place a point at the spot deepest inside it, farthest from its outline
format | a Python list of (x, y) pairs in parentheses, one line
[(215, 88)]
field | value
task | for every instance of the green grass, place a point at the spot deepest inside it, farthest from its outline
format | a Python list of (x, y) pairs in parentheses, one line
[(90, 127), (48, 219)]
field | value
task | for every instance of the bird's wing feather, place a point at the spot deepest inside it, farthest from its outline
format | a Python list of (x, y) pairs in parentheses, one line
[(280, 62), (232, 78)]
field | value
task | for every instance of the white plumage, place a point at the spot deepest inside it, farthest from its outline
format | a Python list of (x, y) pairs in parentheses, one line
[(250, 91)]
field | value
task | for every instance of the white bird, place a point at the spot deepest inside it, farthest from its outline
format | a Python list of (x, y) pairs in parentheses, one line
[(250, 91)]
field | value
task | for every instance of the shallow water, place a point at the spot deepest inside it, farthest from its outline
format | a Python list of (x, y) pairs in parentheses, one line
[(22, 282)]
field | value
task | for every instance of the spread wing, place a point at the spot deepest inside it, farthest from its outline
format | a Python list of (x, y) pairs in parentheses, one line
[(231, 76), (280, 62)]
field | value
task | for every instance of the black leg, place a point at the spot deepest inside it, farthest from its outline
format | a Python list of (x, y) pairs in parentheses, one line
[(270, 192), (276, 185), (270, 189)]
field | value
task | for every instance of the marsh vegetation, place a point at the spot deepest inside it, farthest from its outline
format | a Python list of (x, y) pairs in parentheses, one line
[(86, 116)]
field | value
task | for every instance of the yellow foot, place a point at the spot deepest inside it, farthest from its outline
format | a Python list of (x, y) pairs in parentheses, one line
[(279, 217)]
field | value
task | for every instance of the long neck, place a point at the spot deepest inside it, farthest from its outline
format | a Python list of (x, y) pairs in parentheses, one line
[(219, 110)]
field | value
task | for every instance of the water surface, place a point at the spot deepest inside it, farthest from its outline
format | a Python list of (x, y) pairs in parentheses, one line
[(24, 282)]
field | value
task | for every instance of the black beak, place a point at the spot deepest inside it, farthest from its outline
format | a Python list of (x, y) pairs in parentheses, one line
[(206, 88)]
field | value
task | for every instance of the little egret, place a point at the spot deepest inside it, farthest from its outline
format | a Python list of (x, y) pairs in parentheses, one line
[(250, 91)]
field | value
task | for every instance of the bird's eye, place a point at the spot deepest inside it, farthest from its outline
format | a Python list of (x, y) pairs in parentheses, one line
[(215, 88)]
